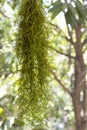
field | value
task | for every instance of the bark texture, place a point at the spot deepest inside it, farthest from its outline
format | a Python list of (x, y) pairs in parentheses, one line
[(79, 91)]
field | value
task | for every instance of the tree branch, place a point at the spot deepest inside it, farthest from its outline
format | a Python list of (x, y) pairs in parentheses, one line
[(60, 30), (4, 14), (64, 35), (0, 45), (6, 74), (70, 35), (85, 41), (67, 55), (61, 84)]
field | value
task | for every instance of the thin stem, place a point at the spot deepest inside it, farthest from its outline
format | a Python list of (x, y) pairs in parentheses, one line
[(85, 41), (67, 55), (61, 84), (4, 14)]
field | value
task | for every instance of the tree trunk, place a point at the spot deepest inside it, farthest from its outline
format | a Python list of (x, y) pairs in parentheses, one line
[(79, 90)]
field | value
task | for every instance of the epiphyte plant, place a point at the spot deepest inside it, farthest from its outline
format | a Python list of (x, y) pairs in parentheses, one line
[(32, 52)]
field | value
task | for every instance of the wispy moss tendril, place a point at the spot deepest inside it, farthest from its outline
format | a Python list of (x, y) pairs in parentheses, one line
[(32, 52)]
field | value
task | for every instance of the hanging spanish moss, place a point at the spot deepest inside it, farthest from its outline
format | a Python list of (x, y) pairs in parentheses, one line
[(32, 52)]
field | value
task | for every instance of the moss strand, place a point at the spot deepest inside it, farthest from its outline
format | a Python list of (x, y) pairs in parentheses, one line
[(32, 52)]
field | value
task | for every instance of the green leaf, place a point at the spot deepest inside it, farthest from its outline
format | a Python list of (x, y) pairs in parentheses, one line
[(55, 5), (58, 7), (70, 18), (80, 10), (72, 10), (71, 15)]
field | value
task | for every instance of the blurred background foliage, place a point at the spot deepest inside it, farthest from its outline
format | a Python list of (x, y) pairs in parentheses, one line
[(61, 115)]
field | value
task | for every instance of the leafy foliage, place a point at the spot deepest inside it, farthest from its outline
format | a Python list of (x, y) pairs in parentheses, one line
[(73, 11), (32, 51), (58, 6)]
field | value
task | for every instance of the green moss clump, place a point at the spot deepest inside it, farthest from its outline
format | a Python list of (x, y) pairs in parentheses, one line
[(32, 52)]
